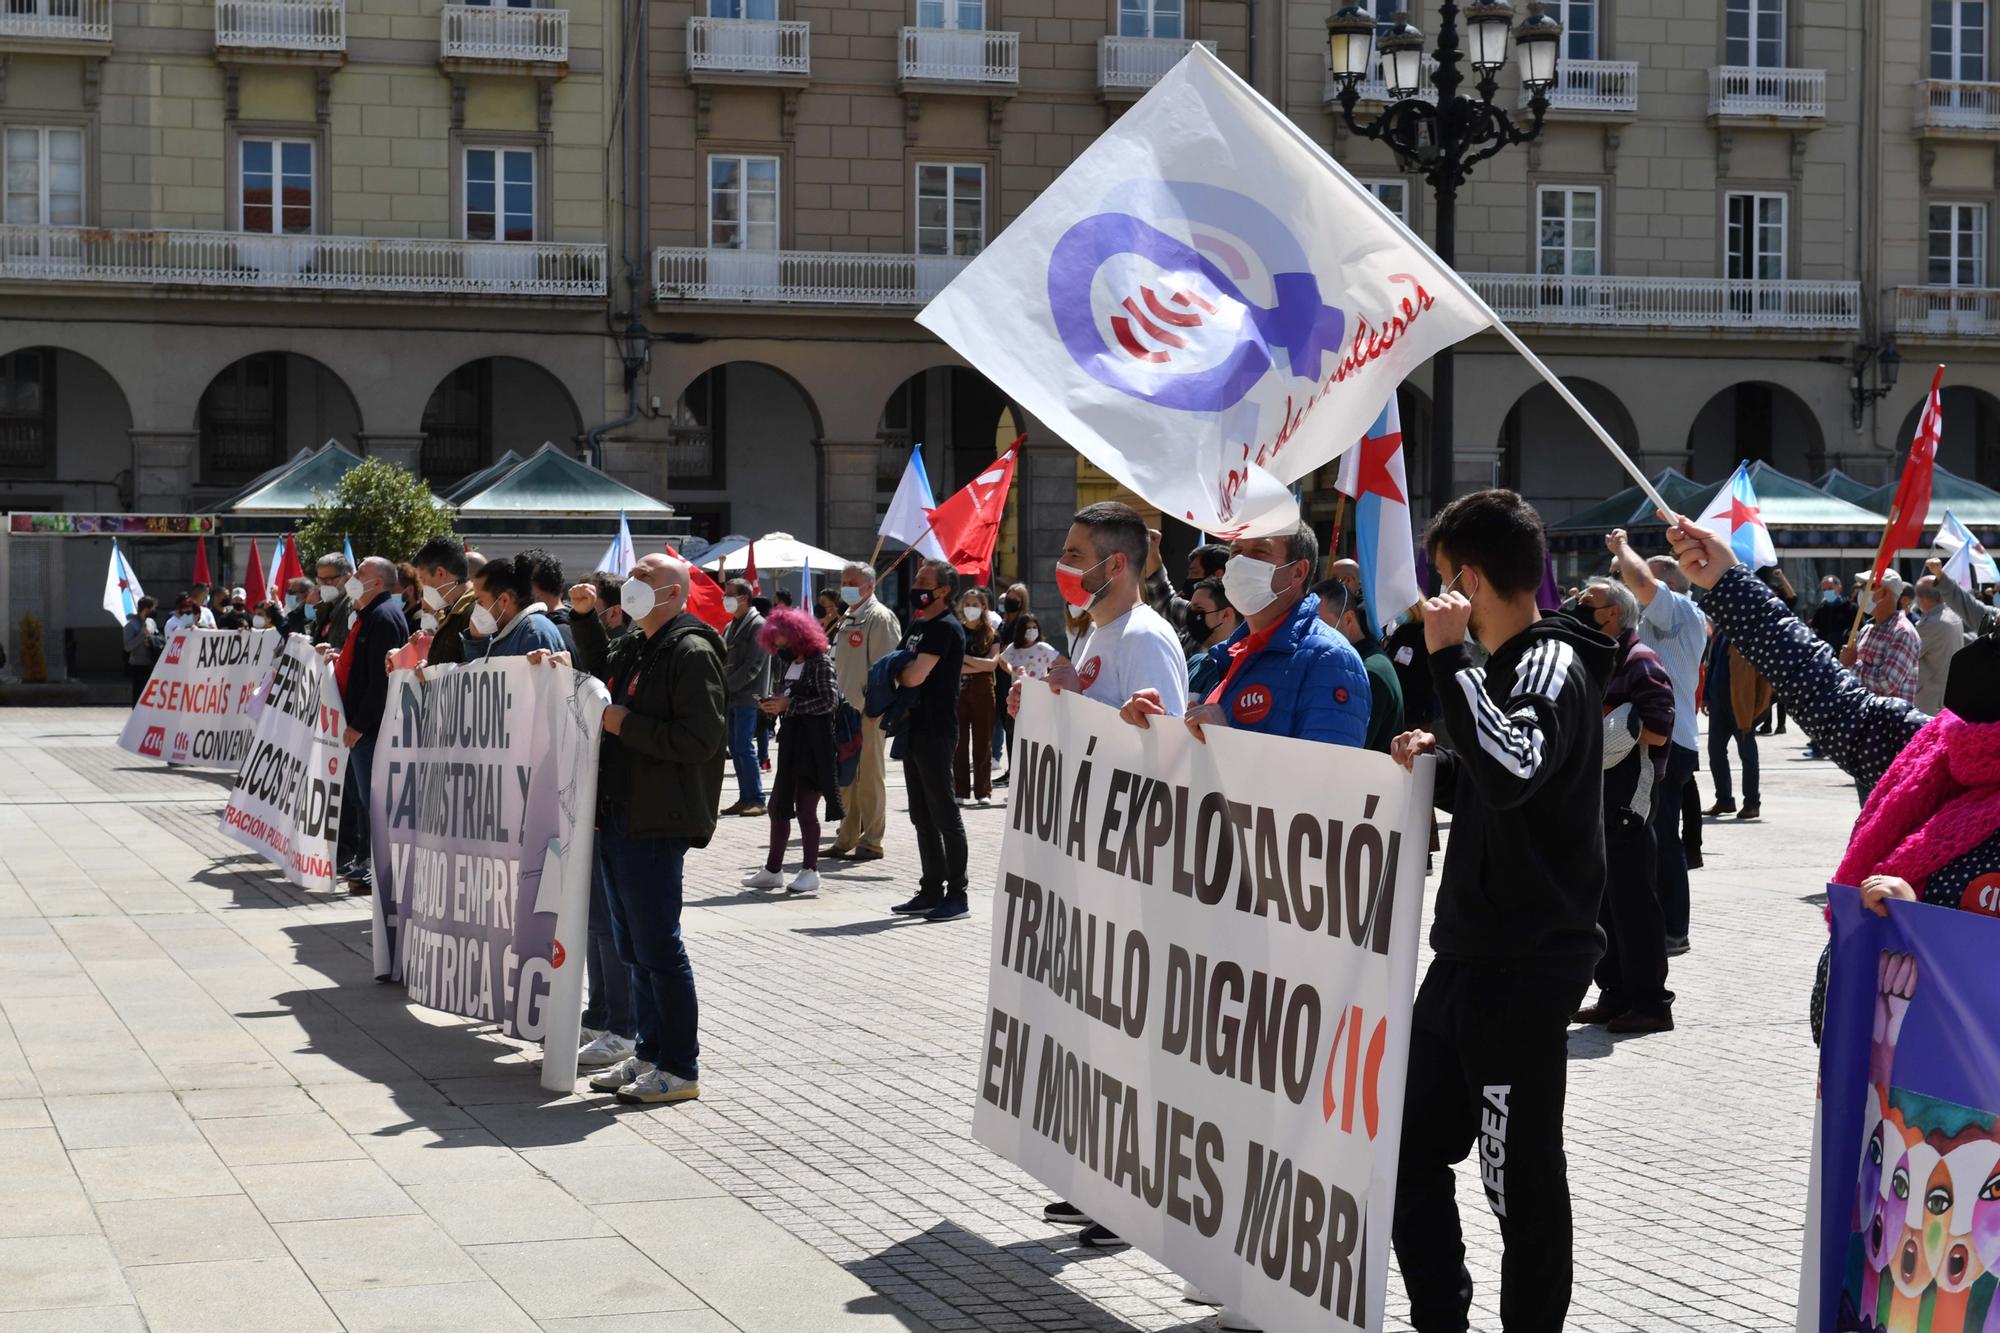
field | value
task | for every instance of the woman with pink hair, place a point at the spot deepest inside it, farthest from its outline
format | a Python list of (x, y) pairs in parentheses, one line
[(806, 698)]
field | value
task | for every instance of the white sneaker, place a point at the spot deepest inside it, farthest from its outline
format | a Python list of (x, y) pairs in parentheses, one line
[(657, 1085), (807, 881), (586, 1035), (620, 1074), (764, 879), (1236, 1323), (1190, 1292), (608, 1048)]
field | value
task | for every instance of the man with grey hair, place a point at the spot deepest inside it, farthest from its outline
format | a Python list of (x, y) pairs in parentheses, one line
[(867, 632), (379, 629), (1672, 626), (1941, 633), (333, 620)]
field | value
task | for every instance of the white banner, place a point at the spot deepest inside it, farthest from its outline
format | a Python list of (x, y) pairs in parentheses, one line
[(196, 707), (482, 820), (287, 797), (1202, 967)]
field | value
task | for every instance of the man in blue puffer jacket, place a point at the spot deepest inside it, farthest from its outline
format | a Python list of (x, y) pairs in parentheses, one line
[(1283, 671)]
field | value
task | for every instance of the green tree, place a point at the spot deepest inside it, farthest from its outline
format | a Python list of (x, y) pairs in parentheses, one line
[(381, 509)]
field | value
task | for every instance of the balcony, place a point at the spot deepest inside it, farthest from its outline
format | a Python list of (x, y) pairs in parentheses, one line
[(482, 39), (1671, 304), (799, 277), (1594, 89), (282, 31), (1948, 312), (1375, 88), (1128, 66), (1949, 109), (1776, 96), (749, 50), (949, 58), (55, 25), (395, 266)]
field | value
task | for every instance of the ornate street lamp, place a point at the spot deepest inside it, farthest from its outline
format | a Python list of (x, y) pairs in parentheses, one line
[(1443, 140)]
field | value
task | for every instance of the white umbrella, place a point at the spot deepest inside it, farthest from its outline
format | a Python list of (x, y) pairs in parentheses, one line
[(712, 553), (775, 551)]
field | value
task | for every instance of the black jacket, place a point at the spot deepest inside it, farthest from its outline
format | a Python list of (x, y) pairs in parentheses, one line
[(560, 618), (1524, 873), (661, 770), (380, 630)]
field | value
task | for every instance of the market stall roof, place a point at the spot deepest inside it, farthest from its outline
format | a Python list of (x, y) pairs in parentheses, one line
[(483, 478), (549, 481), (1786, 502), (1799, 515), (289, 487), (1975, 505), (1629, 506), (1843, 487)]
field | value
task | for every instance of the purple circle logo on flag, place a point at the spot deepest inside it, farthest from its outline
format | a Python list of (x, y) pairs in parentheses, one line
[(1167, 320)]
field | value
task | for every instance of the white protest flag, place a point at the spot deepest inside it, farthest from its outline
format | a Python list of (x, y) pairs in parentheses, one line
[(286, 801), (1966, 559), (909, 518), (618, 558), (121, 586), (1205, 304)]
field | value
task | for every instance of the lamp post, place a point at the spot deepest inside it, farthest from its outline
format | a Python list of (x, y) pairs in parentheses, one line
[(1444, 140)]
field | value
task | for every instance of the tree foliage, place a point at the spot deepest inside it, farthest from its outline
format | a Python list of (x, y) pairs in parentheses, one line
[(381, 509)]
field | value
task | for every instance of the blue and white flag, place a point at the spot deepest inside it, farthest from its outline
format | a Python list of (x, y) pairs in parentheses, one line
[(1733, 513), (618, 558), (121, 586), (805, 582), (1373, 475), (909, 518), (348, 546), (1205, 305), (1966, 559)]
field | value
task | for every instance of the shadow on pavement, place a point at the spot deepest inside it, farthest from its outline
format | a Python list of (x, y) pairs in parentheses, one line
[(865, 927)]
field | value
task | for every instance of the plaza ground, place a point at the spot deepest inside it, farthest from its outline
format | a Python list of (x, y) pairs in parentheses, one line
[(211, 1116)]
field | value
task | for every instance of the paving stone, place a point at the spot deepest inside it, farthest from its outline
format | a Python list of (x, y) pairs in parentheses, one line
[(180, 1231), (362, 1252), (251, 1295)]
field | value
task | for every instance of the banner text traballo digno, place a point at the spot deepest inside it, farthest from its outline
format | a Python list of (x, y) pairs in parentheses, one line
[(1202, 964)]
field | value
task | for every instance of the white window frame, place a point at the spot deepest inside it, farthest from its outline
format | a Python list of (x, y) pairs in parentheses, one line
[(42, 135), (1963, 54), (1753, 10), (950, 15), (951, 199), (1569, 219), (1743, 241), (277, 145), (740, 9), (1383, 187), (501, 152), (1967, 245), (743, 223), (1148, 12), (1566, 12)]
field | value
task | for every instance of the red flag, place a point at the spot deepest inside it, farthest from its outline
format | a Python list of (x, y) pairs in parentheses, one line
[(1913, 494), (704, 595), (289, 567), (750, 571), (968, 523), (200, 562), (253, 574)]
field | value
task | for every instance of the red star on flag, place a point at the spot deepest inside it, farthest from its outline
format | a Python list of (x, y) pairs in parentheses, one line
[(1741, 513), (1372, 476)]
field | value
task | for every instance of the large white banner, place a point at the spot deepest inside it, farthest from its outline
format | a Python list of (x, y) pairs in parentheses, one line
[(287, 798), (1206, 305), (482, 820), (196, 708), (1202, 967)]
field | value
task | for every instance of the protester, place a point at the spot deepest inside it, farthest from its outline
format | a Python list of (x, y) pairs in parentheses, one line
[(1204, 562), (1639, 722), (1735, 696), (1348, 572), (608, 588), (1930, 830), (828, 610), (335, 616), (1013, 605), (748, 669), (1884, 658), (545, 581), (658, 784), (929, 740), (143, 644), (379, 630), (448, 597), (1210, 620), (1412, 660), (867, 633), (1515, 929), (806, 699), (301, 606), (507, 620), (1978, 617), (1345, 614), (184, 616), (410, 589), (1941, 633), (1677, 632), (232, 616), (204, 614), (1772, 720), (972, 762), (1027, 656), (474, 562)]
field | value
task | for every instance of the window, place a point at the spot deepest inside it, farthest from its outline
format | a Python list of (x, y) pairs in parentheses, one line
[(44, 175), (277, 187), (1395, 196), (1754, 33), (241, 415), (1958, 40), (743, 9), (1568, 231), (55, 9), (967, 15), (743, 203), (1150, 18), (457, 426), (27, 411), (499, 194), (1957, 245), (951, 208), (1579, 20), (1754, 237)]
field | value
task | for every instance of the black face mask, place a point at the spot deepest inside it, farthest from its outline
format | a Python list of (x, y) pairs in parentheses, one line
[(923, 598), (1010, 606)]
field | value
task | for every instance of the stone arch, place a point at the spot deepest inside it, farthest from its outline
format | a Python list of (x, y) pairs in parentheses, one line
[(61, 412), (1550, 456), (261, 409), (750, 432), (956, 413), (1970, 443), (1760, 422), (485, 407)]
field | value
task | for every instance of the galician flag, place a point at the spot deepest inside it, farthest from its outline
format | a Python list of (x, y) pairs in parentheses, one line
[(1373, 475), (121, 586), (1205, 305), (1734, 512), (909, 518), (619, 558), (1966, 559), (347, 547), (805, 582)]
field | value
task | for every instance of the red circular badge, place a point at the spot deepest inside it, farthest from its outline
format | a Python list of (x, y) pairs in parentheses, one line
[(1982, 895), (1088, 675), (1252, 704), (556, 953), (854, 639), (1340, 694)]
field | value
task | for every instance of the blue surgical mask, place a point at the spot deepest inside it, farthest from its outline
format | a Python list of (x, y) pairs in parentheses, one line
[(312, 614), (1829, 595), (850, 595)]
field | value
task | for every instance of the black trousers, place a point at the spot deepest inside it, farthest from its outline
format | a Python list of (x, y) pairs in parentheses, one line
[(940, 832), (1670, 872), (1489, 1057), (138, 675), (1633, 972), (1690, 819)]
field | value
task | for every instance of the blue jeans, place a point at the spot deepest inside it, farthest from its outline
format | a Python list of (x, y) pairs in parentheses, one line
[(743, 753), (610, 1006), (356, 856), (642, 887)]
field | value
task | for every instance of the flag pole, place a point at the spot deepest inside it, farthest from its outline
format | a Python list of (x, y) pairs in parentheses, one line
[(1882, 552), (1339, 521)]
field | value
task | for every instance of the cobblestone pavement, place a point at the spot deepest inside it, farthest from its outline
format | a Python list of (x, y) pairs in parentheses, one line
[(210, 1116)]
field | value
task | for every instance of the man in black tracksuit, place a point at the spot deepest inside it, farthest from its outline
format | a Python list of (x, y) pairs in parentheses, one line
[(1515, 933)]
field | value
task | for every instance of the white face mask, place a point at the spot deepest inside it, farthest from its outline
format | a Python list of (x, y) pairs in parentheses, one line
[(328, 593), (433, 598), (483, 623), (969, 614), (730, 605), (850, 596), (260, 622), (352, 588), (1246, 582), (637, 599), (427, 622), (1030, 635)]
